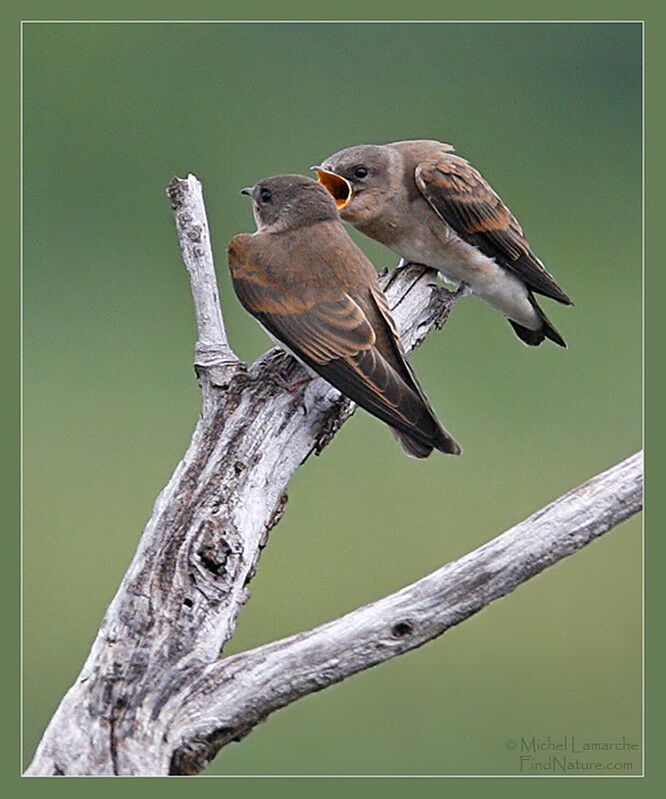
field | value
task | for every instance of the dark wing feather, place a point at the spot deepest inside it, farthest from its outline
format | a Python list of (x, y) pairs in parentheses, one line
[(388, 343), (333, 336), (391, 346), (315, 331), (466, 202)]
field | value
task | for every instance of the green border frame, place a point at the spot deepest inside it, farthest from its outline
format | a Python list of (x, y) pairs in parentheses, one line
[(654, 30)]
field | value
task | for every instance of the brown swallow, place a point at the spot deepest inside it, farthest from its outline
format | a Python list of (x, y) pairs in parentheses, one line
[(431, 207), (313, 290)]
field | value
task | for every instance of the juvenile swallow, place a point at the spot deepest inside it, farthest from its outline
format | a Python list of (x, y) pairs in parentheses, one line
[(313, 290), (432, 207)]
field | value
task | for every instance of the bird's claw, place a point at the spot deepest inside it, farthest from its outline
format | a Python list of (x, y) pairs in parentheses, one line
[(292, 387)]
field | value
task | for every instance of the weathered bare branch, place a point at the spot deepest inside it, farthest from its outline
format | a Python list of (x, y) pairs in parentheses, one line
[(153, 696), (178, 603), (213, 356), (233, 695)]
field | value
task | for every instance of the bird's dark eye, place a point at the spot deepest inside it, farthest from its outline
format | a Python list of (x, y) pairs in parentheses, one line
[(360, 172), (265, 195)]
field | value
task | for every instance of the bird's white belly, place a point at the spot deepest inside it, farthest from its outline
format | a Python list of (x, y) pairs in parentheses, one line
[(459, 262)]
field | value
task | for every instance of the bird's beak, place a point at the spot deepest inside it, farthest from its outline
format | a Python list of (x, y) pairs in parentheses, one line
[(339, 188), (247, 190)]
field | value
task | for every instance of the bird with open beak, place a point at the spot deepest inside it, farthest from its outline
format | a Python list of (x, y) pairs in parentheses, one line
[(432, 207), (313, 290)]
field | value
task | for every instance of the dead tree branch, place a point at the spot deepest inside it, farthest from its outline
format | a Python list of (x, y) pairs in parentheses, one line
[(233, 695), (153, 696)]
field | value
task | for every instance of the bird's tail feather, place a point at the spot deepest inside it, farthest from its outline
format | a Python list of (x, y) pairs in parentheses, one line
[(419, 449), (534, 337), (410, 445)]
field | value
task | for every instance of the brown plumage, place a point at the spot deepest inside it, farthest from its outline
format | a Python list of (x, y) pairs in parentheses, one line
[(467, 203), (433, 207), (302, 277)]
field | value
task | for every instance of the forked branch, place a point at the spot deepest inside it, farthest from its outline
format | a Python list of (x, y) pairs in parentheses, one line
[(235, 694), (154, 697)]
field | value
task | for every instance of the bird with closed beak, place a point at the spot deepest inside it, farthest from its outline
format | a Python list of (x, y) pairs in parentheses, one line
[(313, 290), (432, 207)]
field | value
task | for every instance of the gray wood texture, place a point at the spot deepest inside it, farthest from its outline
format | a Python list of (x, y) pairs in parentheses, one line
[(155, 696)]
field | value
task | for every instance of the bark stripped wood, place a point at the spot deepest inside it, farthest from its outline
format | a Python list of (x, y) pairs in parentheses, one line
[(178, 603), (235, 694), (137, 706), (214, 359)]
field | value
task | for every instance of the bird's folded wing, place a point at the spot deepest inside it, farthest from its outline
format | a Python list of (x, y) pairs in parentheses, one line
[(467, 203), (334, 337), (392, 348), (317, 331)]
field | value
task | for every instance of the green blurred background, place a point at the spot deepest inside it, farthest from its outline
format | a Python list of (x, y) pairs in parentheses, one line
[(551, 114)]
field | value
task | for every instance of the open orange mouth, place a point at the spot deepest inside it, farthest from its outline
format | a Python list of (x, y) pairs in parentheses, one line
[(339, 188)]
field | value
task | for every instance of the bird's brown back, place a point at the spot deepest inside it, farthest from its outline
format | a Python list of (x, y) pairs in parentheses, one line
[(330, 263)]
